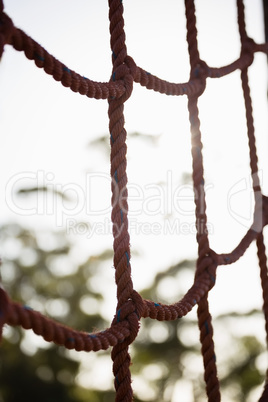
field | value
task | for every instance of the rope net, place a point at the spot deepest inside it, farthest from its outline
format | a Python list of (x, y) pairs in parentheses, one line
[(131, 307)]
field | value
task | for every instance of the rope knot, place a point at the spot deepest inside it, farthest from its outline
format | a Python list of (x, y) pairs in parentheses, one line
[(131, 311), (248, 48), (206, 268), (6, 29), (199, 74), (126, 72)]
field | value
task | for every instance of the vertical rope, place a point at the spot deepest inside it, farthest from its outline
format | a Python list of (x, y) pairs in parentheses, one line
[(250, 128), (258, 210), (241, 20), (191, 32), (6, 29), (197, 157), (264, 283), (198, 179), (130, 305), (209, 358), (264, 278), (120, 356), (204, 317), (247, 46)]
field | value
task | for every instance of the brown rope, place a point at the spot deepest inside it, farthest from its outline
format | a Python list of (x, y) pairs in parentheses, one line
[(130, 305), (121, 71), (108, 90), (209, 358), (204, 318)]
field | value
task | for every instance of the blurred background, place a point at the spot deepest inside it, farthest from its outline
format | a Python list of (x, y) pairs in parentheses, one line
[(56, 235)]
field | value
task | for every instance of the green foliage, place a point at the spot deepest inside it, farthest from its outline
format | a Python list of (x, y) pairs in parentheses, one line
[(33, 274), (38, 270), (42, 377)]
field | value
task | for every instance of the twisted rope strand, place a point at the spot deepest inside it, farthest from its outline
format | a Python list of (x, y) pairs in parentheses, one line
[(264, 283), (264, 277), (131, 307), (60, 72), (121, 70), (191, 33), (106, 90), (51, 331), (209, 358), (204, 317), (257, 219), (247, 45), (203, 282), (241, 20), (239, 250)]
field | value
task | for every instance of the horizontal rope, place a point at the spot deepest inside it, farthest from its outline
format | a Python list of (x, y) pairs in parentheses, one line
[(111, 90), (60, 334), (131, 307), (52, 331)]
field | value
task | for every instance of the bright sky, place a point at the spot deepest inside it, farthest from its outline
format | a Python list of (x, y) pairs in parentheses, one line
[(47, 129)]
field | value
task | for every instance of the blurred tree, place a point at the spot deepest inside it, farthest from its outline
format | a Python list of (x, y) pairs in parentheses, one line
[(33, 272), (165, 354)]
